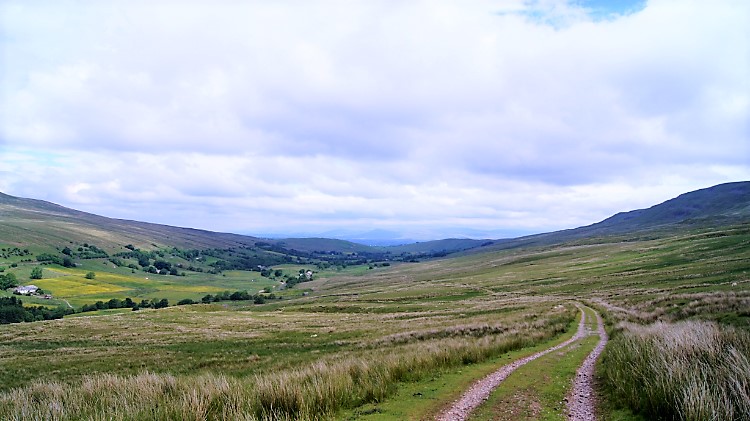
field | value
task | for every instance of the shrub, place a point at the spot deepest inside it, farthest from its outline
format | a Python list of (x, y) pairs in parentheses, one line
[(8, 280), (36, 273)]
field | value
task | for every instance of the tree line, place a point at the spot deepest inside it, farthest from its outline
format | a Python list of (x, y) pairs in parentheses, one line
[(12, 310)]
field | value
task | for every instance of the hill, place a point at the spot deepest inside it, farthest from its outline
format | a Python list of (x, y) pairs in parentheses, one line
[(720, 205), (31, 222), (714, 205), (37, 222)]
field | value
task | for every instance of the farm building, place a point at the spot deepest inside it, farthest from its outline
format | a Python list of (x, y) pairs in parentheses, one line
[(26, 290)]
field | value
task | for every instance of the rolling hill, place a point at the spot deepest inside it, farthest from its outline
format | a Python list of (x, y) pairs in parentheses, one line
[(37, 222), (31, 222), (723, 204)]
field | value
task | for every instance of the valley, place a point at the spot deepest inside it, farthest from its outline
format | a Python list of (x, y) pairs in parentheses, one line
[(372, 337)]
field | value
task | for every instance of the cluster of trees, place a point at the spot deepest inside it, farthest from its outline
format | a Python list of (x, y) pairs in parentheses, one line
[(162, 303), (12, 310), (145, 259), (15, 251), (233, 296), (250, 260), (86, 251), (66, 261), (8, 280), (126, 303), (301, 277)]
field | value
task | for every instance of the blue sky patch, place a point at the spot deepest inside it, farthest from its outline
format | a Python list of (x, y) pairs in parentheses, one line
[(608, 9)]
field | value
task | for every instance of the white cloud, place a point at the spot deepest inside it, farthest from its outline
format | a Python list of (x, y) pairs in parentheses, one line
[(379, 113)]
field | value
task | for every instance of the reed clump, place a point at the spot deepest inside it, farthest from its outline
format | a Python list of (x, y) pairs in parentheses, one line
[(690, 370)]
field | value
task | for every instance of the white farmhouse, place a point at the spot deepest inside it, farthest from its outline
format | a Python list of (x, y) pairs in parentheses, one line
[(26, 290)]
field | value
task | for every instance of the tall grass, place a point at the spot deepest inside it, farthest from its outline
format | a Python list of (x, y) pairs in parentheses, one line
[(310, 392), (690, 370)]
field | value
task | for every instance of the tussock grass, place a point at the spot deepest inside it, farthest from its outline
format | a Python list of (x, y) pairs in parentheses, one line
[(309, 392), (112, 397), (690, 370)]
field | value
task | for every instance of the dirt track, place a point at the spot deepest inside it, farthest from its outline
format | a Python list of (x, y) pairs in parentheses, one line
[(479, 391), (581, 401)]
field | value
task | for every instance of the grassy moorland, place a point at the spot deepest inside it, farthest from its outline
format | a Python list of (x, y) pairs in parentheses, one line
[(363, 338)]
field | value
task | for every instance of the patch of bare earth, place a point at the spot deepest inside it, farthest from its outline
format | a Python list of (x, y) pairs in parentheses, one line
[(581, 401), (480, 391)]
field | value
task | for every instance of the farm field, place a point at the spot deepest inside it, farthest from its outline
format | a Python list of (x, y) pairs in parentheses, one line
[(70, 285), (352, 347)]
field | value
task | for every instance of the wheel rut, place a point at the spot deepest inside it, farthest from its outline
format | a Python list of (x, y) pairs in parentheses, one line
[(480, 390), (581, 402)]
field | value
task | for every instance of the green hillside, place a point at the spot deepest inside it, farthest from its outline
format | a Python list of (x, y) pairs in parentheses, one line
[(720, 205), (25, 222)]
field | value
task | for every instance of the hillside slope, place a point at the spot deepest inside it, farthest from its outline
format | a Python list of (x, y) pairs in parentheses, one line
[(729, 202), (37, 222), (723, 204), (25, 222)]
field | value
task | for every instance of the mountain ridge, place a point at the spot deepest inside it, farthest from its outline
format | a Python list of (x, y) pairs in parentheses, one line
[(722, 204)]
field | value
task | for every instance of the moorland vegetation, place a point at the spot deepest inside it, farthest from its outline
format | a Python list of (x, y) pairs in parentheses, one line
[(370, 341)]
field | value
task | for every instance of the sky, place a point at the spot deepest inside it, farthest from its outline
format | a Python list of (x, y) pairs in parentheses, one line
[(422, 119)]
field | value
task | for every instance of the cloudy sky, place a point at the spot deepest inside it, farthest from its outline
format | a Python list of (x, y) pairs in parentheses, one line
[(429, 118)]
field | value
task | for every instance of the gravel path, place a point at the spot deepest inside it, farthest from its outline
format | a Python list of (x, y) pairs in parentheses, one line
[(479, 391), (581, 401)]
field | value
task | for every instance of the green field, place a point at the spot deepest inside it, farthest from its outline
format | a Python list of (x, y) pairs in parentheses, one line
[(71, 285)]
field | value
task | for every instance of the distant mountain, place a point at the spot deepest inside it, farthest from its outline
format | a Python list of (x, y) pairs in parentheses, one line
[(375, 237)]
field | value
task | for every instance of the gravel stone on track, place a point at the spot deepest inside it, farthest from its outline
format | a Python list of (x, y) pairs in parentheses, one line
[(581, 401)]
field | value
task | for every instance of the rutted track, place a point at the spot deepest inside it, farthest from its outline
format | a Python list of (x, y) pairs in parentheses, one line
[(581, 400), (479, 391)]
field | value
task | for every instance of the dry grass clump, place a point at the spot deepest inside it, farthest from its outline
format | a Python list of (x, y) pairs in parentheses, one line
[(112, 397), (674, 307), (690, 370), (716, 303), (475, 330), (616, 314)]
